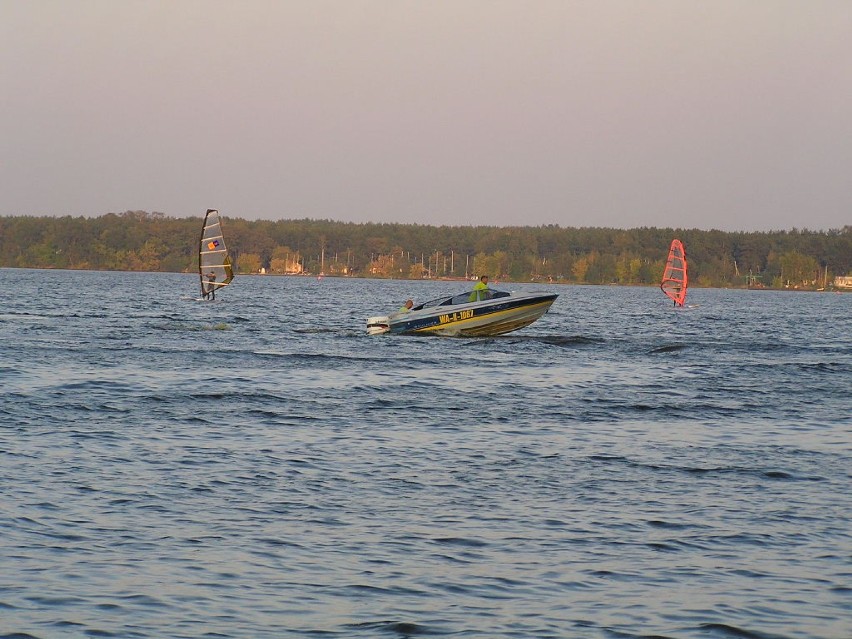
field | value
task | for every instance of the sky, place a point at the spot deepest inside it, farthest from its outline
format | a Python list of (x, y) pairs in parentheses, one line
[(732, 114)]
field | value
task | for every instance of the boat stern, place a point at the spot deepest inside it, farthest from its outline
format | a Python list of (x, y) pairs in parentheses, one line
[(378, 324)]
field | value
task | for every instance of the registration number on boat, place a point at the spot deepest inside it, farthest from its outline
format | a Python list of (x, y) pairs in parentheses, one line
[(455, 317)]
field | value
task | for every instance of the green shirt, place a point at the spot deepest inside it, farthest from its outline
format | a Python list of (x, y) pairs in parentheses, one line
[(480, 292)]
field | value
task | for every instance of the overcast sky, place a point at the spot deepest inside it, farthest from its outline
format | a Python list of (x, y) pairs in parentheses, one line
[(726, 114)]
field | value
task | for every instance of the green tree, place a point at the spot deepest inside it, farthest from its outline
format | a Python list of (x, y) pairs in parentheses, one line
[(798, 269), (249, 263)]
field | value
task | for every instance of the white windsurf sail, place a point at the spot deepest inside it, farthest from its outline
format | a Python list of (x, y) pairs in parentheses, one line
[(214, 263)]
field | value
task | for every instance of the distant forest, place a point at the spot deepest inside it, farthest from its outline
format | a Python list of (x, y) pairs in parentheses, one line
[(142, 241)]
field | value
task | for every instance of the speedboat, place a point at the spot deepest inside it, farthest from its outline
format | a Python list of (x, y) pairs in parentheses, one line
[(466, 316)]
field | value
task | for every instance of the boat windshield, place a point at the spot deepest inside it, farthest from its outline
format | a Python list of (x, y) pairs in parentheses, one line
[(461, 298)]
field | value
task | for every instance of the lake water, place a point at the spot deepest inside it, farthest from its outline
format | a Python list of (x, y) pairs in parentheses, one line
[(259, 467)]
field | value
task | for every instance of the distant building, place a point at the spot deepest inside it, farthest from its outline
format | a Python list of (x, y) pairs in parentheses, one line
[(843, 281)]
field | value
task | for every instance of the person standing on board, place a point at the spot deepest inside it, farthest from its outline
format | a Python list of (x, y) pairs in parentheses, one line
[(480, 290), (211, 286)]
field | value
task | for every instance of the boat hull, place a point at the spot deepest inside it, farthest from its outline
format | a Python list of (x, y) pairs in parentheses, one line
[(476, 319)]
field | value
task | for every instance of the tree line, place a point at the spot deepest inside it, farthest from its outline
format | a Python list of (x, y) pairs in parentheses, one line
[(142, 241)]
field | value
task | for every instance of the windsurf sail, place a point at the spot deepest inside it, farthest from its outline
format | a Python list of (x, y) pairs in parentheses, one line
[(674, 276), (214, 263)]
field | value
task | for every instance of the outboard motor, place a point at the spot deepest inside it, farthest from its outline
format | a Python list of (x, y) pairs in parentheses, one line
[(377, 325)]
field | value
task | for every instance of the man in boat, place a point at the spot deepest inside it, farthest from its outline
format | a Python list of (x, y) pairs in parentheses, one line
[(210, 293), (480, 290), (405, 308)]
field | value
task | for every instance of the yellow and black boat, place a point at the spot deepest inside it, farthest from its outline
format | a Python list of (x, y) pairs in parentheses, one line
[(457, 316)]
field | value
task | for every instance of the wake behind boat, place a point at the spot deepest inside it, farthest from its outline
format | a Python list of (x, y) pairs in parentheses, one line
[(458, 316)]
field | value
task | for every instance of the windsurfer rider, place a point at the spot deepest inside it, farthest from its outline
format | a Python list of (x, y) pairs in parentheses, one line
[(210, 291)]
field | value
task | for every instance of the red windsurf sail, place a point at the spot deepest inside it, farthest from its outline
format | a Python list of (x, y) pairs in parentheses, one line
[(674, 276)]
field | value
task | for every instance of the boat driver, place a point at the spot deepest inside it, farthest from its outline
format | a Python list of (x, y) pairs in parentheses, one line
[(480, 290)]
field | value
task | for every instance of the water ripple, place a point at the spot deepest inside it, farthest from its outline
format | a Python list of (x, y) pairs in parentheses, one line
[(178, 469)]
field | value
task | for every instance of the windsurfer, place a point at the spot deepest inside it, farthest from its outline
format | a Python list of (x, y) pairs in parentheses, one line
[(675, 280), (210, 293)]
